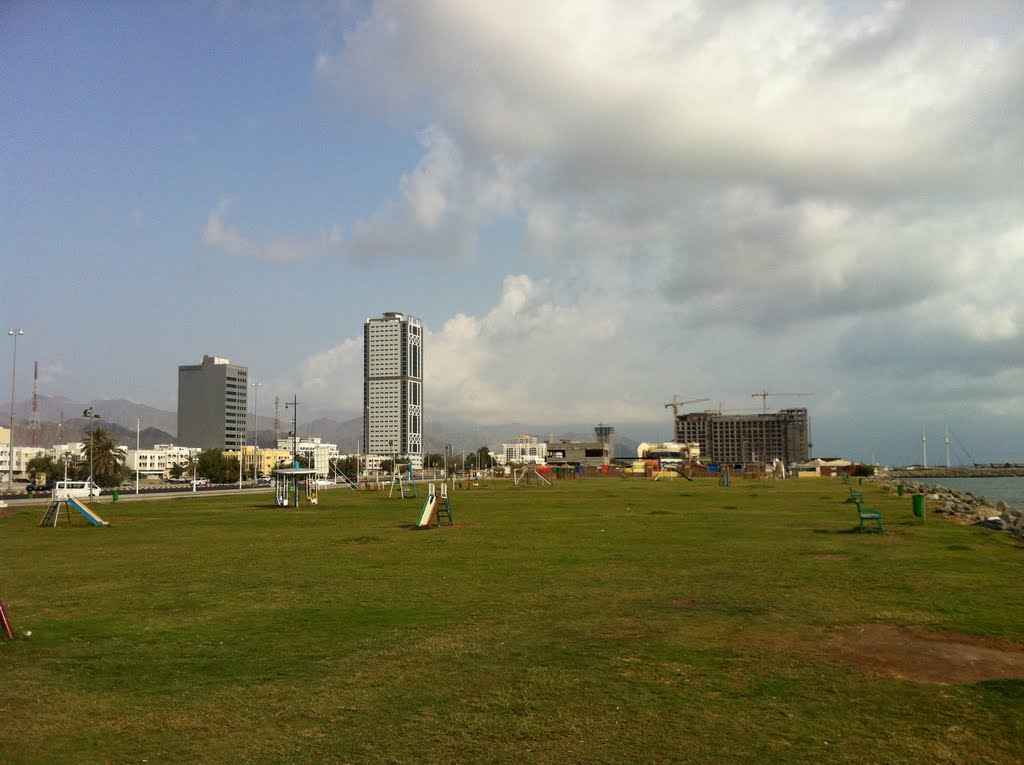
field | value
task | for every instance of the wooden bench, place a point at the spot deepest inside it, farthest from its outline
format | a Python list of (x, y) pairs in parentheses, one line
[(867, 514)]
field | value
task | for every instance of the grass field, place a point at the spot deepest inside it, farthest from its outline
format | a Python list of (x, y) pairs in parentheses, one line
[(594, 621)]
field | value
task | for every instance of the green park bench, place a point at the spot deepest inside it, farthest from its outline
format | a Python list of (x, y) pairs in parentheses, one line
[(867, 514), (856, 496)]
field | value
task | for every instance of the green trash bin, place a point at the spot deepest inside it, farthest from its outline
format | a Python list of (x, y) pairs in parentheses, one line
[(919, 505), (899, 489), (116, 495)]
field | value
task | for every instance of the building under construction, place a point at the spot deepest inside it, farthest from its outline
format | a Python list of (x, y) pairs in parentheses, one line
[(747, 438)]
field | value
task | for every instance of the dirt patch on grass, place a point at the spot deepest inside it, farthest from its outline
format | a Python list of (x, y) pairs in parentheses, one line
[(914, 653), (685, 602)]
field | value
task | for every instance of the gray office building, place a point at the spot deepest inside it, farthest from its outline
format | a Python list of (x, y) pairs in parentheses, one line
[(393, 387), (743, 439), (213, 404)]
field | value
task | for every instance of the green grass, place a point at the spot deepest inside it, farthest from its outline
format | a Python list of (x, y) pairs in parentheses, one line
[(595, 621)]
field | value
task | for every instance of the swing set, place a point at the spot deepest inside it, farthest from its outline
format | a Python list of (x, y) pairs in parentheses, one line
[(291, 483)]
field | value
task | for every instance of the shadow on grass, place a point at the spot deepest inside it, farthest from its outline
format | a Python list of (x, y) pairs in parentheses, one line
[(854, 530)]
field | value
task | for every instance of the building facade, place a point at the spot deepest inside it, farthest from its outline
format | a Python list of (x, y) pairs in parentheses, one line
[(317, 453), (213, 403), (263, 461), (743, 439), (525, 450), (393, 388), (158, 461), (586, 453)]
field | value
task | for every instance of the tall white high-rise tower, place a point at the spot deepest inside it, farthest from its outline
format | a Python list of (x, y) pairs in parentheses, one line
[(393, 387)]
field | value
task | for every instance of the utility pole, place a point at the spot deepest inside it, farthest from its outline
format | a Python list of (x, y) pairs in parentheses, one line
[(294, 406), (255, 426), (92, 419), (15, 333)]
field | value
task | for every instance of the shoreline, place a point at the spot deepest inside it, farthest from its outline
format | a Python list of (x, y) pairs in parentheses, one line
[(962, 506), (957, 472)]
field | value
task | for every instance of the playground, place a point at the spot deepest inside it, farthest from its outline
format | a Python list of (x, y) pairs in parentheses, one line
[(598, 620)]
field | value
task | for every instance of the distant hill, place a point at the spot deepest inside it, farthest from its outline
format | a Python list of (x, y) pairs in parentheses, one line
[(120, 417), (119, 411), (76, 428)]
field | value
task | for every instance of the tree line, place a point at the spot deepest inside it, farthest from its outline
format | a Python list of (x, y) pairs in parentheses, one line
[(104, 460)]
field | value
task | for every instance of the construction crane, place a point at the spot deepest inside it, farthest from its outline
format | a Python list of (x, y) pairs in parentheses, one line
[(720, 410), (676, 403), (765, 394)]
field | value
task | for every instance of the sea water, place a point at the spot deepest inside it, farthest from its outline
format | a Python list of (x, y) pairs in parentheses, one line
[(1009, 489)]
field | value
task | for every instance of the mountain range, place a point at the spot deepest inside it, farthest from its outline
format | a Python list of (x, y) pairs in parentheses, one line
[(61, 420)]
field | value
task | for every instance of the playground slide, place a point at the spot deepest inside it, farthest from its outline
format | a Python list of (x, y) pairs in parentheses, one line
[(90, 516), (429, 512)]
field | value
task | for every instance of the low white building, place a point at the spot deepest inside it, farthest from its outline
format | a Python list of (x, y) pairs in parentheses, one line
[(316, 451), (22, 456), (525, 450), (158, 461), (822, 468)]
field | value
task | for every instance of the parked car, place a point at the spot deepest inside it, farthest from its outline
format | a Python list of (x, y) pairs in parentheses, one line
[(36, 487), (264, 479), (200, 482)]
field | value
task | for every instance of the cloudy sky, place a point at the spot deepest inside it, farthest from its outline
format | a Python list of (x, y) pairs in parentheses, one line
[(592, 205)]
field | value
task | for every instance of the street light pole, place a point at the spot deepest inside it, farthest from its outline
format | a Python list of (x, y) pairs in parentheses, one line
[(92, 418), (10, 439), (255, 426), (294, 406)]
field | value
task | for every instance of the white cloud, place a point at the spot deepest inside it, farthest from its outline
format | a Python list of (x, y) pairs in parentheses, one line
[(432, 215), (220, 234), (50, 373), (721, 197)]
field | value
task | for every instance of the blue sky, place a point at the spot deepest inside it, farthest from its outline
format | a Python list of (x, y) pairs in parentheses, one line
[(591, 208)]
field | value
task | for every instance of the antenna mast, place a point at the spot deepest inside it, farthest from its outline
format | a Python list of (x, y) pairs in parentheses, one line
[(277, 419), (34, 423)]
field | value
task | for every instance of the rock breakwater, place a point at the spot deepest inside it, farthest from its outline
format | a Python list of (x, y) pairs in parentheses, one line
[(961, 506)]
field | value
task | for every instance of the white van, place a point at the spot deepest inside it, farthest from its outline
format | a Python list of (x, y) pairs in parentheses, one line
[(76, 489)]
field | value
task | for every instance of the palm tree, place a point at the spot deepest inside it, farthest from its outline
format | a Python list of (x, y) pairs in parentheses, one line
[(106, 456)]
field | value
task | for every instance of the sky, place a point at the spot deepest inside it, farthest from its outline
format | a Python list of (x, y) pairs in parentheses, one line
[(594, 206)]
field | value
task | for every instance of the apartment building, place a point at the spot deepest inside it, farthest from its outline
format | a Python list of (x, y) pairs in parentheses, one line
[(393, 387), (318, 453), (525, 450)]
